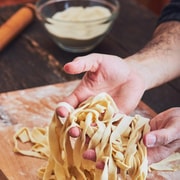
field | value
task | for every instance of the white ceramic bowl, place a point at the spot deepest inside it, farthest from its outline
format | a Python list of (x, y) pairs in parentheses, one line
[(77, 25)]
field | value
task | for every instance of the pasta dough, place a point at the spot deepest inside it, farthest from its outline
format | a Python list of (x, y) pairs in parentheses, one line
[(116, 138)]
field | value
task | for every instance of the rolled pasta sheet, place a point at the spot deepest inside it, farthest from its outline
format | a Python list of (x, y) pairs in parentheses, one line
[(115, 137)]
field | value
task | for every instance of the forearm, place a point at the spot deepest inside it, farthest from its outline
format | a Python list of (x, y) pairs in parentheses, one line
[(159, 61)]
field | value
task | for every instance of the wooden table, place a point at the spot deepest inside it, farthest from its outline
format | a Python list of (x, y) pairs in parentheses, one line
[(33, 61)]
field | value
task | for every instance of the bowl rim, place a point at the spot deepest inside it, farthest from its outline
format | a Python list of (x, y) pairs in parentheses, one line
[(113, 15)]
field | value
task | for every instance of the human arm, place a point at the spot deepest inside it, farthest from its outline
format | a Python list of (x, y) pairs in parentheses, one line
[(106, 73), (126, 80), (159, 61), (159, 65)]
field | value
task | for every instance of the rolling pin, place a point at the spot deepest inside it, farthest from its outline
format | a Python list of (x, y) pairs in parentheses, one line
[(15, 24)]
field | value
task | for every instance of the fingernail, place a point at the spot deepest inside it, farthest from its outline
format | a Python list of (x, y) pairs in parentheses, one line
[(151, 140), (89, 154), (100, 165), (66, 105), (74, 132)]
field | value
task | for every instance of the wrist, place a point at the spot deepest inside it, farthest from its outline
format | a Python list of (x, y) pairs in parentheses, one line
[(142, 69)]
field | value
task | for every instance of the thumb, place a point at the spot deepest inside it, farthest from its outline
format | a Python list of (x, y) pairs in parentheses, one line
[(159, 137)]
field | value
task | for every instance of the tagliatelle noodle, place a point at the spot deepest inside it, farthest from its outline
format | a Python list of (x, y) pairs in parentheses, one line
[(116, 138), (38, 137), (167, 164)]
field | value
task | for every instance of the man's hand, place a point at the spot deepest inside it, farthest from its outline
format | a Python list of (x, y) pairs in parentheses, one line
[(105, 73), (164, 138)]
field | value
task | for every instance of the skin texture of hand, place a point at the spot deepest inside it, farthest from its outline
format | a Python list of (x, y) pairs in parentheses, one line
[(105, 73), (126, 80), (158, 62), (163, 140), (164, 137)]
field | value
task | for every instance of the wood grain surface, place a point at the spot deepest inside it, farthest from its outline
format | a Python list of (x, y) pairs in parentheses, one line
[(34, 108), (32, 59), (31, 108)]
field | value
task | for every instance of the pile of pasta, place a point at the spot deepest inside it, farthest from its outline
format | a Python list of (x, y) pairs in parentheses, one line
[(116, 138)]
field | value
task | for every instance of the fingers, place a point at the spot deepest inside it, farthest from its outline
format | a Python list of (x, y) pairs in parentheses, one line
[(164, 137), (89, 64), (161, 144), (166, 119), (165, 128), (160, 137), (83, 64), (90, 154), (63, 110), (74, 132), (100, 165), (150, 140), (73, 100), (158, 153)]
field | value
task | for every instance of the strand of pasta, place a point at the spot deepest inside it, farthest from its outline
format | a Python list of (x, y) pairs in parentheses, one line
[(115, 137), (110, 126)]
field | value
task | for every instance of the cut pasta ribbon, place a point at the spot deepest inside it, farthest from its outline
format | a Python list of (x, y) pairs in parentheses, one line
[(116, 138), (37, 137)]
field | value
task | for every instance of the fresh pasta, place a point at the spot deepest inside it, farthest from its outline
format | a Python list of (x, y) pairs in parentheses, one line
[(116, 138), (37, 137)]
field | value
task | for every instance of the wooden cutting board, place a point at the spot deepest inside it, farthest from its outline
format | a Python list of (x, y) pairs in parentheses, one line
[(32, 107)]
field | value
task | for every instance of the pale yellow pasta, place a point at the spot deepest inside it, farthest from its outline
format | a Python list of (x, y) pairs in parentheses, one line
[(167, 164), (116, 138), (38, 137)]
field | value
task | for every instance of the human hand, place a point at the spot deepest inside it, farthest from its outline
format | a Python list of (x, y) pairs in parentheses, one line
[(105, 73), (164, 138), (161, 141)]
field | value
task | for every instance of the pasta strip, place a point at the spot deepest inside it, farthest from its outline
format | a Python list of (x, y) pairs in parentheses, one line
[(38, 136), (109, 129), (115, 137)]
